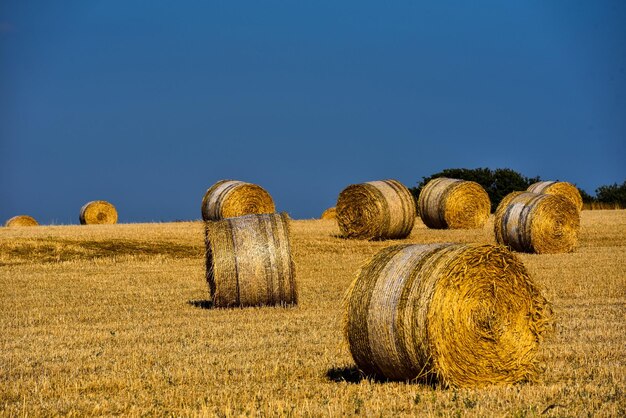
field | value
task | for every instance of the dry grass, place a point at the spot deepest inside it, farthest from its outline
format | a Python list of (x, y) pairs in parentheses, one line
[(113, 319)]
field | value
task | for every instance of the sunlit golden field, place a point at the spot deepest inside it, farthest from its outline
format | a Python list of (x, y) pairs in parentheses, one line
[(114, 319)]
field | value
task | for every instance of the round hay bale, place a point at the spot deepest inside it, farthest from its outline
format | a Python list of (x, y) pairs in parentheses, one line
[(559, 188), (232, 198), (248, 261), (98, 212), (330, 213), (382, 209), (537, 223), (451, 203), (21, 220), (463, 315)]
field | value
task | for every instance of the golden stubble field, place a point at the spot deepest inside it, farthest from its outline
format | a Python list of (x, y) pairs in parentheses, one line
[(114, 319)]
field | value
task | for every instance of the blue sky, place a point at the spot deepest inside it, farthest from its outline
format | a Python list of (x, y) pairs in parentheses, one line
[(146, 104)]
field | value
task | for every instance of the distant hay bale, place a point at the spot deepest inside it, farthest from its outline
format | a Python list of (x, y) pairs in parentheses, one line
[(463, 315), (537, 223), (232, 198), (559, 188), (21, 220), (451, 203), (98, 212), (330, 213), (248, 261), (376, 210)]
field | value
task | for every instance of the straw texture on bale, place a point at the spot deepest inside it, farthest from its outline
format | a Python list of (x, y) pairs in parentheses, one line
[(21, 220), (376, 210), (458, 314), (98, 212), (559, 188), (330, 213), (537, 223), (451, 203), (248, 261), (232, 198)]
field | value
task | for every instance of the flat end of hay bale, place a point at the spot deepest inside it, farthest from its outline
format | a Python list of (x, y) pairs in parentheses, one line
[(330, 213), (233, 198), (21, 220), (559, 188), (98, 212)]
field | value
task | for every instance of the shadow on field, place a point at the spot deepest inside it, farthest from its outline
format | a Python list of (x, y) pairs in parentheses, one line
[(203, 304), (345, 374)]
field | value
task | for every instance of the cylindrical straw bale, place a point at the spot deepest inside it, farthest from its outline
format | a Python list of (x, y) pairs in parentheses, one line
[(98, 212), (559, 188), (232, 198), (537, 223), (376, 210), (21, 220), (463, 315), (248, 261), (451, 203), (330, 213)]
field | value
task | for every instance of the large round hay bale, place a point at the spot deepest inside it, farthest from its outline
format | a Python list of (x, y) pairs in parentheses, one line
[(248, 261), (330, 213), (559, 188), (21, 220), (382, 209), (537, 223), (462, 315), (451, 203), (232, 198), (98, 212)]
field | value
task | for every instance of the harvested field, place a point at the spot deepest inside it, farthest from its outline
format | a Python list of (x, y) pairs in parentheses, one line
[(115, 319)]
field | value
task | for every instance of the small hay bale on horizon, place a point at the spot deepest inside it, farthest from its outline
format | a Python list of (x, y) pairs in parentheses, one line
[(537, 223), (455, 204), (232, 198), (98, 212), (249, 261), (383, 209), (21, 220), (559, 188), (462, 315), (330, 213)]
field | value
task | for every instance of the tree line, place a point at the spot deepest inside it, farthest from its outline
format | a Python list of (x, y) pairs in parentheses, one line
[(502, 181)]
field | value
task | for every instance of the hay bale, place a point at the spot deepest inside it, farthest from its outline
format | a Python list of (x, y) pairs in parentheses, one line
[(462, 315), (559, 188), (232, 198), (21, 220), (248, 261), (537, 223), (376, 210), (451, 203), (330, 213), (98, 212)]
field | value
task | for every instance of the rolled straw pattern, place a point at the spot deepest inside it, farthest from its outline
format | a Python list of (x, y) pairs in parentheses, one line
[(330, 213), (232, 198), (559, 188), (376, 210), (451, 203), (248, 261), (537, 223), (98, 212), (21, 220), (462, 315)]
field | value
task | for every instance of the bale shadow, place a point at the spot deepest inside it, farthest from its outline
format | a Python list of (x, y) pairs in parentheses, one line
[(354, 375), (202, 304)]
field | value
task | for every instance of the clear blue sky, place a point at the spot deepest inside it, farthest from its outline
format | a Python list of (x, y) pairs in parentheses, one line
[(146, 104)]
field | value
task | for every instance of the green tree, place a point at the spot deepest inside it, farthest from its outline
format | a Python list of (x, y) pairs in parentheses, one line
[(613, 193), (497, 183)]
